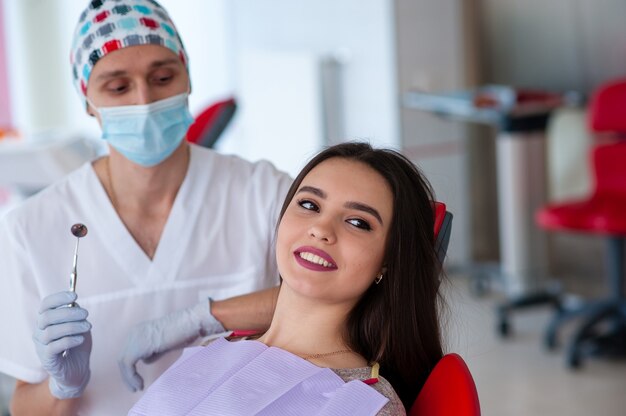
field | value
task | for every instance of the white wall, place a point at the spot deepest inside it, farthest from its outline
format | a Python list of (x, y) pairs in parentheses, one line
[(359, 32), (432, 57), (347, 91), (561, 44), (38, 83), (280, 111), (204, 26)]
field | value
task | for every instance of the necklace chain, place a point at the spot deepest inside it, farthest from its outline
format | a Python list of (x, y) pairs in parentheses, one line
[(326, 354), (113, 198)]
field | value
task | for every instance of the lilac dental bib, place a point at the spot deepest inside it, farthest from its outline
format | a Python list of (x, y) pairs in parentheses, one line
[(250, 378)]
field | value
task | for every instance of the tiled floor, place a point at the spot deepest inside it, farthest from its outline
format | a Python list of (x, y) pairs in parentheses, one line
[(517, 376)]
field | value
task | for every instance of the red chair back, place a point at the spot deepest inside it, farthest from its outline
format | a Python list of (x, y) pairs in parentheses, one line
[(609, 167), (607, 114), (606, 109), (443, 229), (603, 211), (440, 213), (211, 122), (449, 390)]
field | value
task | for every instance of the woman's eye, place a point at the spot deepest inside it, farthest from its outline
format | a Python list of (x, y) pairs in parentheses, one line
[(308, 205), (359, 223)]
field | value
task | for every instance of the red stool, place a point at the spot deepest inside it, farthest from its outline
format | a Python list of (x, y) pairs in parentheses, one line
[(602, 213)]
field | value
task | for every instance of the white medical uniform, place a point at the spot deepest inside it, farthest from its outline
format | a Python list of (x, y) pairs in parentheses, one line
[(218, 241)]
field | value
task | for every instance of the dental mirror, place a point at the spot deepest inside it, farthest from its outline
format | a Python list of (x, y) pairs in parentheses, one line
[(78, 231)]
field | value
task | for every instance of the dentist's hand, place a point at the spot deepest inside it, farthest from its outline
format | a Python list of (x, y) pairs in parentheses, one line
[(61, 328), (150, 339)]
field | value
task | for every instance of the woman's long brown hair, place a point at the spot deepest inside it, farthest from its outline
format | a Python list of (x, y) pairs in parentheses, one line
[(396, 322)]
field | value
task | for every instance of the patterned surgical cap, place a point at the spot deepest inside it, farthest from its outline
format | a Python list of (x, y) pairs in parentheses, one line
[(109, 25)]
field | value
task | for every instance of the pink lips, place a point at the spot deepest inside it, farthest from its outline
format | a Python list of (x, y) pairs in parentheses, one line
[(314, 266)]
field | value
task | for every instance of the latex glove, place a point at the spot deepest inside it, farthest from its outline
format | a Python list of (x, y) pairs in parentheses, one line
[(61, 328), (148, 340)]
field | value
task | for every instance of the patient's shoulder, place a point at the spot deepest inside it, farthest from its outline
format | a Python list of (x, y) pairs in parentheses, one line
[(394, 407)]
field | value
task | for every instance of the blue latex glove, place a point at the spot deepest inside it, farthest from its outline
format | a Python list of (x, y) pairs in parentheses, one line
[(61, 328), (149, 340)]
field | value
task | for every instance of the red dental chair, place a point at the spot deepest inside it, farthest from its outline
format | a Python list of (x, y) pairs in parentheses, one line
[(211, 123), (603, 213), (443, 229), (449, 390)]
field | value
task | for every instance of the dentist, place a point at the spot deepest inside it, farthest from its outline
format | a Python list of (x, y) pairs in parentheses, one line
[(170, 225)]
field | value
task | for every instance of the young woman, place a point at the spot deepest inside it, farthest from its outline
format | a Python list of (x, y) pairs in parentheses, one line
[(355, 250)]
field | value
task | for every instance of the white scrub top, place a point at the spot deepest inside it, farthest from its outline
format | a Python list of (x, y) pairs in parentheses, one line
[(218, 241)]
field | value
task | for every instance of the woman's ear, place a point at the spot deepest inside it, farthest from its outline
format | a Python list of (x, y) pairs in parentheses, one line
[(380, 276)]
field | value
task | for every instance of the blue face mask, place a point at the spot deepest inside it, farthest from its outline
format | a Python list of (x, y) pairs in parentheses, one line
[(146, 134)]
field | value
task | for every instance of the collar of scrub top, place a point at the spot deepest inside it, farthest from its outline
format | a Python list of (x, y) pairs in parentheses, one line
[(245, 333)]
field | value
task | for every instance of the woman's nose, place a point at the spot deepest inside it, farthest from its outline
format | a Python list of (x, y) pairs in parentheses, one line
[(324, 231)]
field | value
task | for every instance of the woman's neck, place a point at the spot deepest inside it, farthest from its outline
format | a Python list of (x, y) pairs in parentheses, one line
[(313, 330)]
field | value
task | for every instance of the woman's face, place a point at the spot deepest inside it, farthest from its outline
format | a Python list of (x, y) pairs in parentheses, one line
[(331, 239), (136, 75)]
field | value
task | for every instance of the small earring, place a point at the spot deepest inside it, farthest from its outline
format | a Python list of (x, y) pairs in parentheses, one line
[(378, 278)]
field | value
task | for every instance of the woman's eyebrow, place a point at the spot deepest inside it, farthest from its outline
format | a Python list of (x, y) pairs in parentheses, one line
[(365, 208), (313, 190), (350, 204)]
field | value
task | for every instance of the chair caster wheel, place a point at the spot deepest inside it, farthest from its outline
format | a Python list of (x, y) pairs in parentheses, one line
[(504, 329), (550, 342), (479, 286), (573, 361)]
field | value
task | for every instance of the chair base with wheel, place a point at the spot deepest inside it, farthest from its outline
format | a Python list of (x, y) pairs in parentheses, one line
[(603, 322), (603, 328), (540, 297)]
